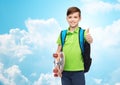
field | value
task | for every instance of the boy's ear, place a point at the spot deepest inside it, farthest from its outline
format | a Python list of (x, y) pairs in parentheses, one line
[(80, 18)]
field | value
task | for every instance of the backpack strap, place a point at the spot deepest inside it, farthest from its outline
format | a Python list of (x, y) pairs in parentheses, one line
[(81, 39), (63, 36)]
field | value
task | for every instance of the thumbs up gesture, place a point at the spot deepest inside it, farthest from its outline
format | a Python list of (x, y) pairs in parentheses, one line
[(88, 37)]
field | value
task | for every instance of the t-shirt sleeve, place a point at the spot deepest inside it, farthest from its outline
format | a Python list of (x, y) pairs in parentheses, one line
[(59, 40)]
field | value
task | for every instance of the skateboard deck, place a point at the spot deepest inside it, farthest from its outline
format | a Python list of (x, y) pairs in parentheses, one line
[(59, 61)]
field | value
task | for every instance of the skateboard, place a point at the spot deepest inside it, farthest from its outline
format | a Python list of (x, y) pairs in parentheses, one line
[(59, 61)]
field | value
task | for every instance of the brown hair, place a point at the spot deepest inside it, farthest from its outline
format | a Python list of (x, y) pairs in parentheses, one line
[(73, 10)]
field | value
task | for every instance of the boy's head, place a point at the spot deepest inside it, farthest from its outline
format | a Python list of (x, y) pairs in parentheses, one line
[(73, 16), (72, 10)]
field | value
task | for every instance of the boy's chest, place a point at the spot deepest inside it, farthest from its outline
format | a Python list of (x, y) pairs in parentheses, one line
[(71, 39)]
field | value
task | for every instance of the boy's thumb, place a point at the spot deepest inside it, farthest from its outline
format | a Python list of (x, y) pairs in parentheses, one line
[(87, 30)]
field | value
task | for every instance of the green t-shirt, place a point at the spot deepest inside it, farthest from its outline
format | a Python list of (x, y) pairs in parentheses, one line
[(72, 51)]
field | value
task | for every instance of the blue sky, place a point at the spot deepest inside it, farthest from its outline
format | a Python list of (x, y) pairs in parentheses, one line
[(29, 30)]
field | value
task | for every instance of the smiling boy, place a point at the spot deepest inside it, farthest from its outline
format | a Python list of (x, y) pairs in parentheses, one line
[(73, 73)]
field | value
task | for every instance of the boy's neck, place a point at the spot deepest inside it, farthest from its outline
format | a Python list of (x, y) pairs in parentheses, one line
[(73, 28)]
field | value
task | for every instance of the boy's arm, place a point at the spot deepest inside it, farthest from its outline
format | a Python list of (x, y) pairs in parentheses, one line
[(88, 36), (59, 49)]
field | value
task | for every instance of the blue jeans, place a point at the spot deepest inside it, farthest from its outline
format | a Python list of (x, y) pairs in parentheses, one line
[(73, 78)]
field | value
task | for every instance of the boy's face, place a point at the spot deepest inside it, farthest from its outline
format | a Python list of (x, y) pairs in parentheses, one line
[(73, 19)]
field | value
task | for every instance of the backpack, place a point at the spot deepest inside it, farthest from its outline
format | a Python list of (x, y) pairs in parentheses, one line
[(84, 46)]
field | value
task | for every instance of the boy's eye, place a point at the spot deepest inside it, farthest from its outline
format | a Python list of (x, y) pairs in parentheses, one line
[(75, 17), (69, 17)]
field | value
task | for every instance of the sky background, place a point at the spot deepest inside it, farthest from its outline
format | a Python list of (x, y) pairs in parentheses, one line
[(29, 30)]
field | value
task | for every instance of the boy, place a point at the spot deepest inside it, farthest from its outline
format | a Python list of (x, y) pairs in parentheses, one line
[(73, 73)]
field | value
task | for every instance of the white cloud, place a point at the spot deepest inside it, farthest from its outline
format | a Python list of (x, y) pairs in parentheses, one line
[(118, 1), (12, 76), (98, 81), (100, 6), (117, 83), (1, 67), (12, 71), (43, 34), (106, 84), (115, 76), (113, 79), (19, 43), (47, 79), (86, 1), (108, 36), (105, 45), (41, 26), (12, 44), (33, 74), (6, 81)]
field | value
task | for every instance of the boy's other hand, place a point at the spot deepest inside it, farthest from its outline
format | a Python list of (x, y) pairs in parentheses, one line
[(88, 36)]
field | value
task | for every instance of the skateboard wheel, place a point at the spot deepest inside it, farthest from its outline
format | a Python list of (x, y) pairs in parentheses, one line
[(55, 55), (55, 75), (55, 70)]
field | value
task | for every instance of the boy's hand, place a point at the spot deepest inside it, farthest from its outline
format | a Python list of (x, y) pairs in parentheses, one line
[(89, 38)]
